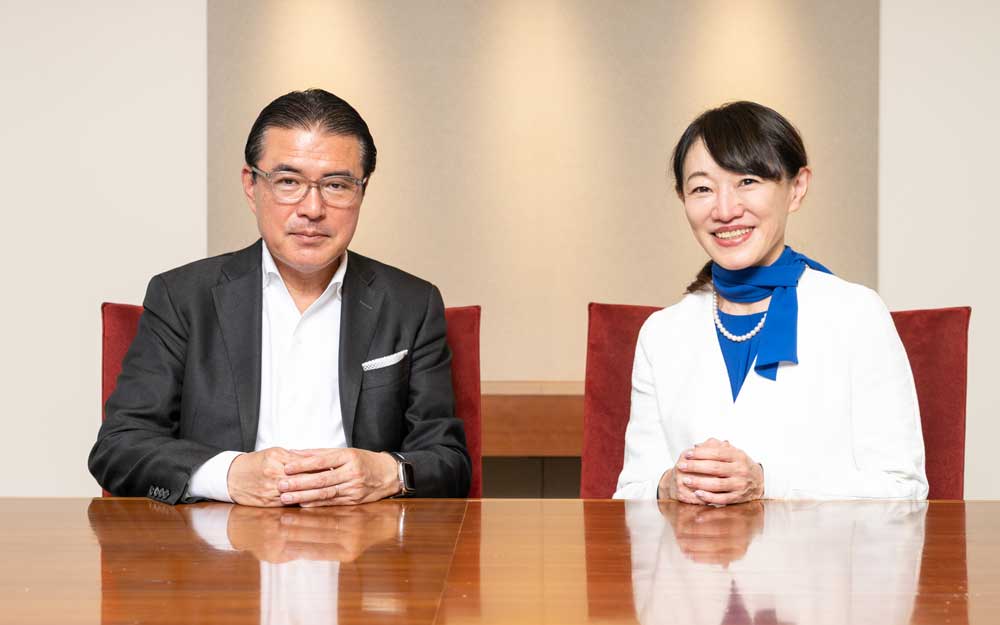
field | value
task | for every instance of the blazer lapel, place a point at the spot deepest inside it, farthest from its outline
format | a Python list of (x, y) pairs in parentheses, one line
[(358, 319), (238, 305)]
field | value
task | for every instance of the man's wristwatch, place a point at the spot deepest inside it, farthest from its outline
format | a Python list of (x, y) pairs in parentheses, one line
[(407, 485)]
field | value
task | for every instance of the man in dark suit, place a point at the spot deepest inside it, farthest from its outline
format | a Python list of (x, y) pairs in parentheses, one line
[(292, 371)]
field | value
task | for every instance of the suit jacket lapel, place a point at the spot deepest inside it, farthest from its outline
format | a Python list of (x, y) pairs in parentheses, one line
[(238, 305), (358, 319)]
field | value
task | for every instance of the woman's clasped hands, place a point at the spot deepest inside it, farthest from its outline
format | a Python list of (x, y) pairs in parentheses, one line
[(713, 472)]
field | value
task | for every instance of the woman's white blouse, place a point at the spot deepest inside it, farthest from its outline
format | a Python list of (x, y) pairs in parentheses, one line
[(842, 424)]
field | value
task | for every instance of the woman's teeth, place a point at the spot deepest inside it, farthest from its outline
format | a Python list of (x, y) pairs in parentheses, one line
[(732, 234)]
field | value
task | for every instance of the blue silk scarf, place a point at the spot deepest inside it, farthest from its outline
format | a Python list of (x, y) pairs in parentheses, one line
[(779, 336)]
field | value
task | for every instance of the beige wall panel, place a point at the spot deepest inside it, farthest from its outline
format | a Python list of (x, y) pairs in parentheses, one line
[(523, 145), (939, 211), (102, 123)]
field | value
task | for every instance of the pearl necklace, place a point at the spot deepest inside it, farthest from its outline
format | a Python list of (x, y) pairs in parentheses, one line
[(726, 333)]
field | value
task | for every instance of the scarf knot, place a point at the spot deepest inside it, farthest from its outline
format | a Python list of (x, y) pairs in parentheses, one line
[(779, 281)]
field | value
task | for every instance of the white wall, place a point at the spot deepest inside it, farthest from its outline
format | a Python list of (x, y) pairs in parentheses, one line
[(523, 144), (102, 154), (939, 204)]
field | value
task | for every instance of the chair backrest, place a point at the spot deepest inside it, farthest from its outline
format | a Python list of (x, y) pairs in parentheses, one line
[(611, 336), (121, 321), (463, 340), (936, 343)]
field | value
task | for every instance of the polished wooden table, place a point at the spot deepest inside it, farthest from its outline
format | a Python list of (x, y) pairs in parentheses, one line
[(499, 561)]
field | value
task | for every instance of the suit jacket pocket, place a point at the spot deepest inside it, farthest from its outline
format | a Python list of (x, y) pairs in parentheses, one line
[(386, 375)]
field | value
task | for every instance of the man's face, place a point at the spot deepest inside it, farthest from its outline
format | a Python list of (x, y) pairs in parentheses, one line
[(308, 237)]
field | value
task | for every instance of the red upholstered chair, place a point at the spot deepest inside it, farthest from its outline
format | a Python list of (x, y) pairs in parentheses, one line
[(463, 339), (121, 321), (936, 343), (611, 335)]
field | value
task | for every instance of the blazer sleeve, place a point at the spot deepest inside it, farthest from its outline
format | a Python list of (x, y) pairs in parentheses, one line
[(647, 455), (435, 439), (138, 452), (887, 440)]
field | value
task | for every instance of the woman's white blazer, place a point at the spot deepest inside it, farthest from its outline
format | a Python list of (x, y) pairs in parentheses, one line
[(842, 423)]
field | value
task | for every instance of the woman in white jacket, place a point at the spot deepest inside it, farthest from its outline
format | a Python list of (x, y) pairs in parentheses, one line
[(771, 378)]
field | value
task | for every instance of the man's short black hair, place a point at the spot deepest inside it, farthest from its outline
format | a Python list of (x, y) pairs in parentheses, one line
[(309, 109)]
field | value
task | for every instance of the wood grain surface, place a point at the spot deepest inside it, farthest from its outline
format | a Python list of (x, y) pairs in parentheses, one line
[(532, 425), (120, 560)]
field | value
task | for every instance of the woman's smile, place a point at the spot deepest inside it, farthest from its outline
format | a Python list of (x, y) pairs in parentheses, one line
[(731, 237)]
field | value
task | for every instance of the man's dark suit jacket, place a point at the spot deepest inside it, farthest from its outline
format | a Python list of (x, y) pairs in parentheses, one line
[(190, 382)]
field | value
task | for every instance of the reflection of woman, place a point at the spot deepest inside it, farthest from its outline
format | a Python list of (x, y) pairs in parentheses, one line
[(771, 377), (776, 562), (711, 534)]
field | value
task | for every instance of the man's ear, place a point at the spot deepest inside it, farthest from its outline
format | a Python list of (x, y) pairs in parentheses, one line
[(249, 185)]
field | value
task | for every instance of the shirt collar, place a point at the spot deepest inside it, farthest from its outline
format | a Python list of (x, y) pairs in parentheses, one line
[(270, 271)]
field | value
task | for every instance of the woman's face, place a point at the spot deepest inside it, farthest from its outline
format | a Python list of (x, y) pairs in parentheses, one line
[(738, 218)]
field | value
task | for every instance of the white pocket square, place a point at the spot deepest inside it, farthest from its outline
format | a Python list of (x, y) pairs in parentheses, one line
[(384, 361)]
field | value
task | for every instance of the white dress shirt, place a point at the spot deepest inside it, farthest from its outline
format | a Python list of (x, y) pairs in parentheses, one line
[(843, 423), (299, 377)]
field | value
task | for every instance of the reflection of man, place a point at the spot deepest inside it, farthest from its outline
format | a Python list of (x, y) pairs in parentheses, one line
[(300, 553), (278, 536), (215, 563), (292, 371), (771, 562)]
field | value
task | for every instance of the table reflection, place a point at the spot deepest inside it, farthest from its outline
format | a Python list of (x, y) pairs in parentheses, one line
[(283, 535), (776, 562), (278, 565), (300, 553)]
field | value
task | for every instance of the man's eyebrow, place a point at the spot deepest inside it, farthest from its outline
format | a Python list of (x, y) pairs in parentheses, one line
[(296, 170), (695, 173), (339, 172)]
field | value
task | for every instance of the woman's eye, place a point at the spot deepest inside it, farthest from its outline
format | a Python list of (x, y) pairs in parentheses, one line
[(747, 182), (700, 190)]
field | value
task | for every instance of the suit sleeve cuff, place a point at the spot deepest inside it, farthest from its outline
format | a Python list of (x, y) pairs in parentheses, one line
[(211, 480)]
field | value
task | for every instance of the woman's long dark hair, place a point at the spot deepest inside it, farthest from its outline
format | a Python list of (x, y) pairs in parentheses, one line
[(743, 137)]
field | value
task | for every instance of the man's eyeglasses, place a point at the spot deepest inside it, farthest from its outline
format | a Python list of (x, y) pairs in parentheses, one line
[(291, 188)]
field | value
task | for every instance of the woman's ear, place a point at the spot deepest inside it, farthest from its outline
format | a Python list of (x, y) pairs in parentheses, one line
[(800, 186)]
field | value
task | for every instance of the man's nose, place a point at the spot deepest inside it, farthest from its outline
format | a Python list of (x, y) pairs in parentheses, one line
[(729, 205), (311, 206)]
